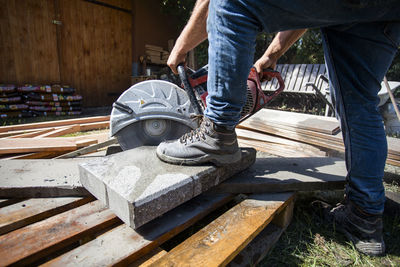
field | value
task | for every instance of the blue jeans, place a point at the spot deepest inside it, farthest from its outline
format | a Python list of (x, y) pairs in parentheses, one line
[(360, 40)]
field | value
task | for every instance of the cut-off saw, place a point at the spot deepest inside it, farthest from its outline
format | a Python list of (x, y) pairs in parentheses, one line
[(153, 111)]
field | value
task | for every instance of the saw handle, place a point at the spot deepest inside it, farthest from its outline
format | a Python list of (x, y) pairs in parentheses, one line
[(189, 89), (274, 74), (271, 73)]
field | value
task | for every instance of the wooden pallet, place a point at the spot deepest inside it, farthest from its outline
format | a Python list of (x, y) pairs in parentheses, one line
[(82, 232)]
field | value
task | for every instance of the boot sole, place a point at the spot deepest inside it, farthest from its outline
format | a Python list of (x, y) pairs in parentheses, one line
[(370, 249), (218, 160)]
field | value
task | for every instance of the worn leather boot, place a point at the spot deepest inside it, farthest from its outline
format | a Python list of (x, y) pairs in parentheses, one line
[(208, 143)]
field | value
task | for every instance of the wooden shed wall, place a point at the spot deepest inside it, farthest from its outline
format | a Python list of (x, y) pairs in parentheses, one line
[(151, 26), (92, 49), (28, 42), (96, 50)]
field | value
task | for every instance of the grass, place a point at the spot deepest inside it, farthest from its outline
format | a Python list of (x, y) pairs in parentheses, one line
[(308, 241)]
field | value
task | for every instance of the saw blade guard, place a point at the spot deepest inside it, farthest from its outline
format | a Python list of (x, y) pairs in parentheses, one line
[(155, 104)]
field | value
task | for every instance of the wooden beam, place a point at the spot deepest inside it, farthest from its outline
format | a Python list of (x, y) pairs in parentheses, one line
[(37, 155), (88, 149), (32, 210), (24, 145), (123, 245), (43, 238), (53, 123), (95, 126), (61, 131), (220, 241), (254, 252), (33, 134)]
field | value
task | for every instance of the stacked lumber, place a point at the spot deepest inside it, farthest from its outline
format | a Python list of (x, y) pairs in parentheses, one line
[(80, 231), (44, 139), (156, 54), (285, 133), (11, 102), (46, 100)]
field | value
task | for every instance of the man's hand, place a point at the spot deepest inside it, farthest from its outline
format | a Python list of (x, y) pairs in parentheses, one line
[(175, 58), (279, 45), (265, 62), (192, 35)]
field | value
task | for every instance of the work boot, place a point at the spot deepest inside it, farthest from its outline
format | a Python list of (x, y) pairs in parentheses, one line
[(362, 229), (208, 143)]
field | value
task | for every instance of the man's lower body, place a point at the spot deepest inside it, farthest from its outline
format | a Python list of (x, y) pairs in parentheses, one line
[(359, 44)]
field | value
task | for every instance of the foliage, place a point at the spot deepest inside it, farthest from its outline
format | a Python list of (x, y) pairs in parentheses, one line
[(309, 241), (181, 9), (308, 50)]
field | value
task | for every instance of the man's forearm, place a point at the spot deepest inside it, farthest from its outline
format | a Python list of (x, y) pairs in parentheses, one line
[(282, 42), (192, 35), (279, 45), (195, 30)]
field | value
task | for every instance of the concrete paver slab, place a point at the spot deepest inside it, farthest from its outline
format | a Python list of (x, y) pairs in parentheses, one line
[(275, 174), (40, 178), (139, 187)]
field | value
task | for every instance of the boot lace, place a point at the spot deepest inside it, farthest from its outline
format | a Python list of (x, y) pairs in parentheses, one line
[(198, 133)]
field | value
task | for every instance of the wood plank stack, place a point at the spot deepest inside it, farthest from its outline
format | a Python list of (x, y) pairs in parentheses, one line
[(82, 232), (12, 103), (42, 140), (286, 133), (156, 54), (46, 100)]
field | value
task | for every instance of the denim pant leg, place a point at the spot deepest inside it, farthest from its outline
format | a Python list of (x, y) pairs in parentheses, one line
[(232, 28), (358, 56), (231, 38)]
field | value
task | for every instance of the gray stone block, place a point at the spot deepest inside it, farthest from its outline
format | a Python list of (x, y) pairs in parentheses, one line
[(276, 174), (40, 178), (139, 187)]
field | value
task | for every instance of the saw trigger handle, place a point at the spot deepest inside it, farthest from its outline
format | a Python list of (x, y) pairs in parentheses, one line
[(271, 73), (189, 89)]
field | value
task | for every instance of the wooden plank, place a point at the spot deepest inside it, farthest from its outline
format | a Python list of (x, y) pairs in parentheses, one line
[(289, 75), (9, 201), (306, 149), (123, 244), (220, 241), (12, 133), (254, 252), (393, 145), (149, 258), (307, 75), (298, 84), (32, 210), (85, 142), (61, 131), (43, 238), (291, 84), (316, 123), (278, 149), (53, 123), (393, 162), (89, 149), (24, 145), (33, 134), (37, 155), (94, 126), (296, 136)]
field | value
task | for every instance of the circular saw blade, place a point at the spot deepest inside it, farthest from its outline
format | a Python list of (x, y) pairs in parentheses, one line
[(150, 132)]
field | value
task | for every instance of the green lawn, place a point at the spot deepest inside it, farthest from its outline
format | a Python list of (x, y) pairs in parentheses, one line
[(308, 241)]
